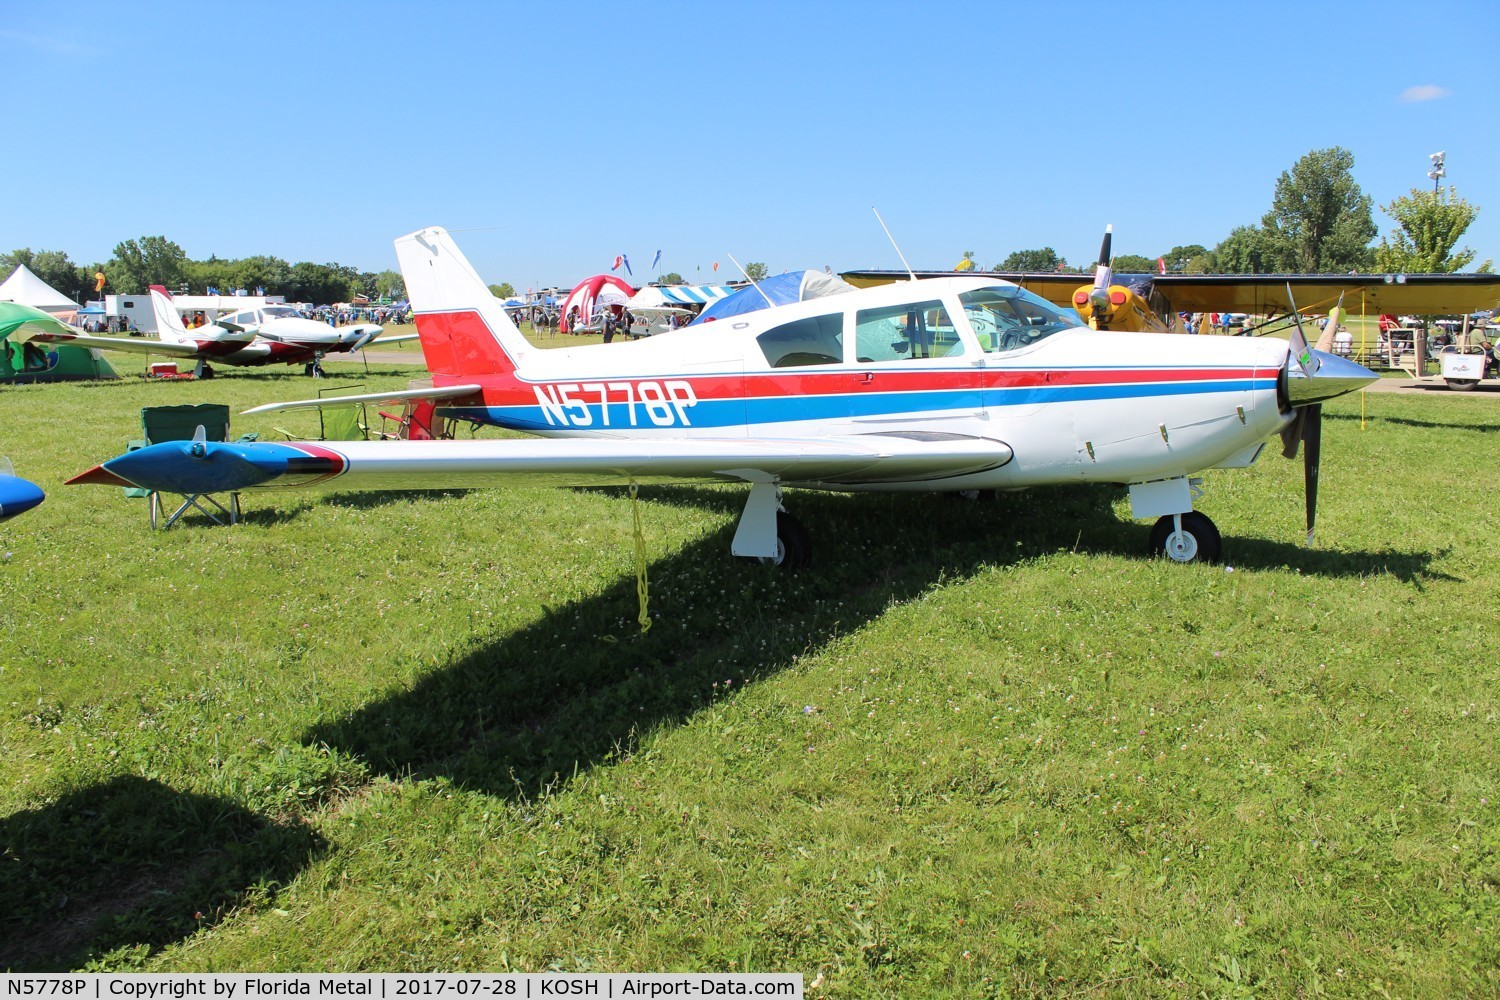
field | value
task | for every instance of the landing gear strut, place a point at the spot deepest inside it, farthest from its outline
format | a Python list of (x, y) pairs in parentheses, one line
[(769, 534)]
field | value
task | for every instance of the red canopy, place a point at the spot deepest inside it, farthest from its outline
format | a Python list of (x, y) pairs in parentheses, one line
[(590, 297)]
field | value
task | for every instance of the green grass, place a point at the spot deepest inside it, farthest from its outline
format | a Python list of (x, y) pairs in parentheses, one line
[(982, 749)]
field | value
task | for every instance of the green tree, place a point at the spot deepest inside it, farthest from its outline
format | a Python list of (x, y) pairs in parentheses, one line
[(139, 264), (756, 271), (1429, 225), (504, 290), (1320, 221), (1034, 261), (322, 284), (1194, 258), (670, 278), (1243, 251), (52, 266), (390, 285), (1133, 263)]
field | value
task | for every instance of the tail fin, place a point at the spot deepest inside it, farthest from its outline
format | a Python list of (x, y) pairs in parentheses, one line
[(463, 328), (168, 324)]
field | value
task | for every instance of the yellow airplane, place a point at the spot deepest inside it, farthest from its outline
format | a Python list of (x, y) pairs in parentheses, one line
[(1154, 302)]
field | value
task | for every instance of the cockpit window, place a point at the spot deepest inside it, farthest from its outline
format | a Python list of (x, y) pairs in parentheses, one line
[(817, 340), (912, 331), (1006, 318), (280, 311)]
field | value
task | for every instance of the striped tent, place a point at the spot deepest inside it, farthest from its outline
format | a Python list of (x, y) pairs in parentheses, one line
[(657, 296)]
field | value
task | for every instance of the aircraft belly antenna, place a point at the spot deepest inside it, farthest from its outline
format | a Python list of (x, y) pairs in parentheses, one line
[(750, 279), (893, 243)]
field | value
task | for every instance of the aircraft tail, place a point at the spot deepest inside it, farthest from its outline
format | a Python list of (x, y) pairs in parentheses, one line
[(169, 326), (463, 328)]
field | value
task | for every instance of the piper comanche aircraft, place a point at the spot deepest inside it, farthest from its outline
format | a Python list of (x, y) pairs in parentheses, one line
[(269, 335), (948, 384)]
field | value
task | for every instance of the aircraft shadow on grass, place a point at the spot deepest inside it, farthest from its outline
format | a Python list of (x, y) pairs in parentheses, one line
[(130, 862), (1484, 428), (578, 687)]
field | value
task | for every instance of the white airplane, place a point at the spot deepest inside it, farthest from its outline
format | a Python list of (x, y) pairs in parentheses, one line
[(268, 335), (881, 388)]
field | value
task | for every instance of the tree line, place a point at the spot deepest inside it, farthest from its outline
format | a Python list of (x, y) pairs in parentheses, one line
[(138, 264), (1319, 222)]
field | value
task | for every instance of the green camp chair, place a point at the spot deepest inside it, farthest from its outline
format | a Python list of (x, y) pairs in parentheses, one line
[(343, 423), (181, 423)]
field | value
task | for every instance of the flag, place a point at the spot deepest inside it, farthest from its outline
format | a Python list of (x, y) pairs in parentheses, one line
[(716, 265), (211, 290), (619, 259), (1161, 265), (626, 261), (655, 260), (964, 265), (98, 281)]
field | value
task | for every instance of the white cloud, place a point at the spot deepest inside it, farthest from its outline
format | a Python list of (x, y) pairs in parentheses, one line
[(51, 45), (1425, 92)]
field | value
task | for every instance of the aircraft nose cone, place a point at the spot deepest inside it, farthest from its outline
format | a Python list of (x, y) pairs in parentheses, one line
[(1336, 376), (17, 496)]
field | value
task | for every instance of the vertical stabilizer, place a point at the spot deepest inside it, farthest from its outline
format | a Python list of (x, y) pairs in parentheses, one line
[(463, 328), (169, 328)]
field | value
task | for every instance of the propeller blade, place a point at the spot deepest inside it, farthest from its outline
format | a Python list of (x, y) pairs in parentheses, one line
[(1312, 453), (1291, 434), (1103, 273)]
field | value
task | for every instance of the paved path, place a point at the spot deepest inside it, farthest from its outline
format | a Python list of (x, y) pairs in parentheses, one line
[(1484, 390)]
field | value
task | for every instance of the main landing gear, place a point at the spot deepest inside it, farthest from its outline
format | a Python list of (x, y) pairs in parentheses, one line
[(769, 534)]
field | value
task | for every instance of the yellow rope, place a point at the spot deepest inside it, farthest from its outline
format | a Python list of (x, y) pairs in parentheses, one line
[(642, 589)]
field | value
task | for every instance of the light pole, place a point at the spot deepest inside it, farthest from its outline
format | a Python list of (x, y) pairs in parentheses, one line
[(1437, 173)]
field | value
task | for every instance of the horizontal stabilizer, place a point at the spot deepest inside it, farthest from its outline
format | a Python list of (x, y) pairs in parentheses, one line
[(438, 392)]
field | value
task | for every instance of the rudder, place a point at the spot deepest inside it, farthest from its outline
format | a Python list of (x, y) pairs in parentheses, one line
[(462, 327)]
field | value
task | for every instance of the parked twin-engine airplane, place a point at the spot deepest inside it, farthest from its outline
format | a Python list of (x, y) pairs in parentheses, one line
[(946, 384), (269, 335)]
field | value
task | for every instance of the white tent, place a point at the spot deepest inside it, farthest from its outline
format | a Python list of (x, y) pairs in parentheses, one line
[(26, 288)]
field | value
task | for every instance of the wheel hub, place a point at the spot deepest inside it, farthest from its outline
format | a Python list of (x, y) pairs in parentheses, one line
[(1181, 546)]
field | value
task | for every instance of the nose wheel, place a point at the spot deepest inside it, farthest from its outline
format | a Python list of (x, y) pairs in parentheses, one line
[(1185, 538)]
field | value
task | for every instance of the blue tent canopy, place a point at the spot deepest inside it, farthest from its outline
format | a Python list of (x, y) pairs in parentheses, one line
[(781, 289)]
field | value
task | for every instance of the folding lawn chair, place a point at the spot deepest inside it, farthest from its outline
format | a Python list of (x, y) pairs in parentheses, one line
[(181, 423)]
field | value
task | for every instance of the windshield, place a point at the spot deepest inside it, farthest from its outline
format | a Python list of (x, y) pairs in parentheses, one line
[(281, 311), (1006, 318)]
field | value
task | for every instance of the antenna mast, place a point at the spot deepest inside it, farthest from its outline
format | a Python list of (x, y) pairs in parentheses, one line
[(751, 280), (893, 243)]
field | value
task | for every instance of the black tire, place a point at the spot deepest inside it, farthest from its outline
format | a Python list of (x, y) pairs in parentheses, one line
[(1203, 541), (793, 543), (1462, 384), (207, 372)]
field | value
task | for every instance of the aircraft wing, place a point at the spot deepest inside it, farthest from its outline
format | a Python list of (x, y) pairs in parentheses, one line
[(207, 467), (1262, 294), (441, 392), (392, 340), (128, 344)]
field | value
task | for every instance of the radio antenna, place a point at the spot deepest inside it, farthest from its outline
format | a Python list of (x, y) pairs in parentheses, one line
[(751, 280), (893, 243)]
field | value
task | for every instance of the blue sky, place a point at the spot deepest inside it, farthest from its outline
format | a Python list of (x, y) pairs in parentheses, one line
[(560, 134)]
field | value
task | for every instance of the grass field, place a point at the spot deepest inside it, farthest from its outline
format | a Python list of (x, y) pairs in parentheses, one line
[(981, 749)]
